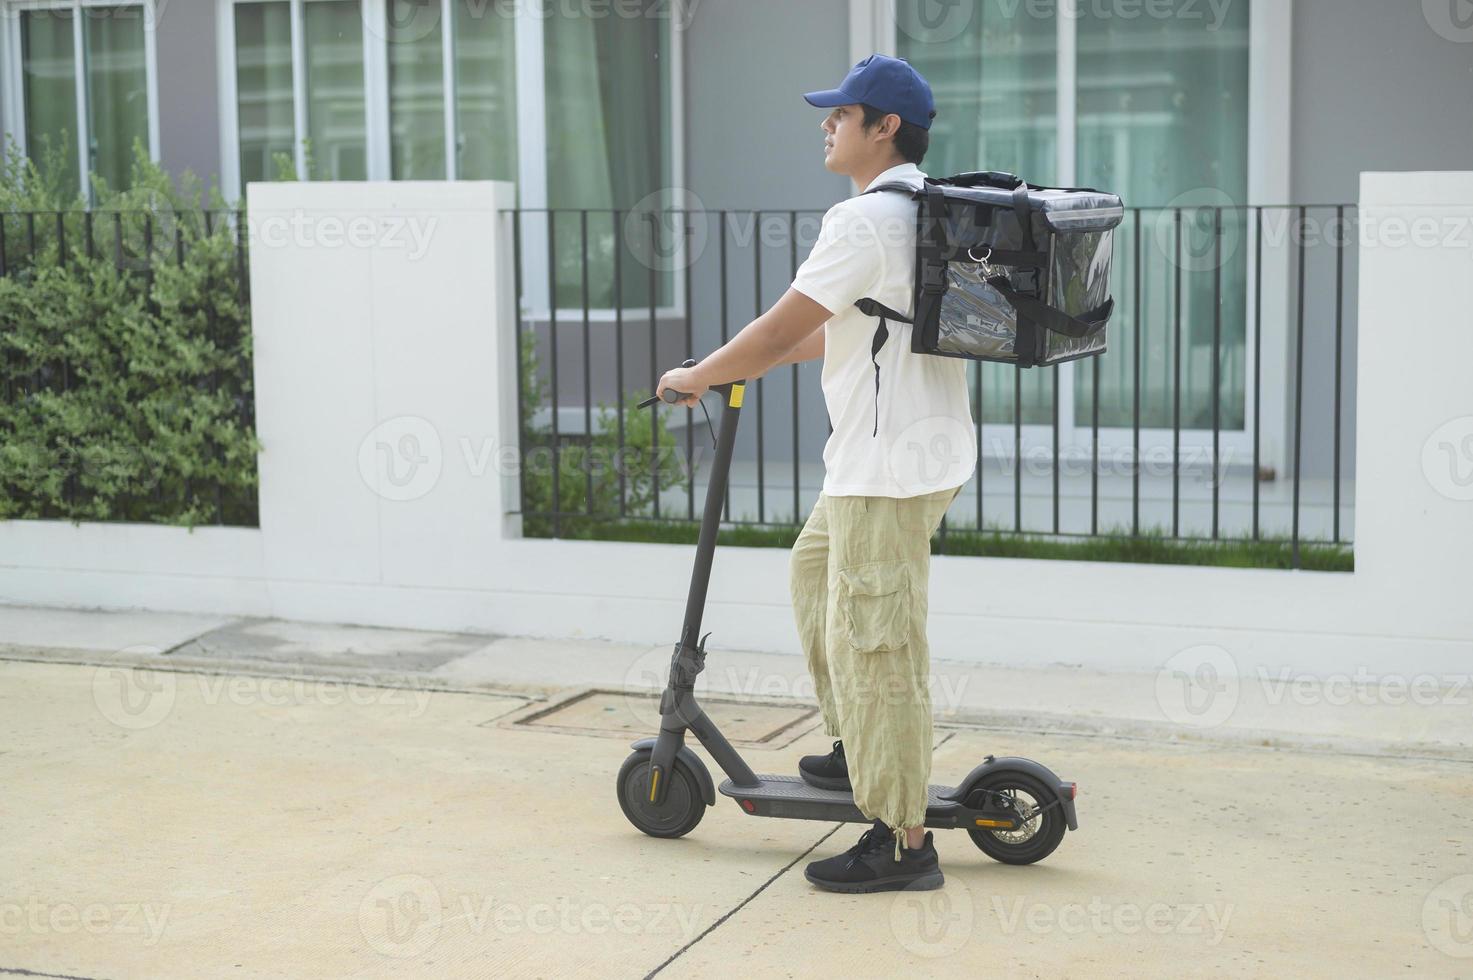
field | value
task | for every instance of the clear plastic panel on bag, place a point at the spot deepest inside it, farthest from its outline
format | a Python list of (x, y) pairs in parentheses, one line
[(1079, 282), (975, 320)]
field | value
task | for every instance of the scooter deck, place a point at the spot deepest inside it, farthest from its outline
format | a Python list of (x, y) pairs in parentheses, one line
[(790, 796)]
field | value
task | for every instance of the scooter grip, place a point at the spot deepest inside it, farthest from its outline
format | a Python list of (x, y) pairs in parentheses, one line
[(670, 395)]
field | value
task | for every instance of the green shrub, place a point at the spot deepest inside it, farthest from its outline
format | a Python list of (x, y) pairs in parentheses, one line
[(125, 352), (588, 468)]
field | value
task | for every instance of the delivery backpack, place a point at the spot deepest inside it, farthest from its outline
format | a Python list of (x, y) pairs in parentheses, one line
[(1006, 271)]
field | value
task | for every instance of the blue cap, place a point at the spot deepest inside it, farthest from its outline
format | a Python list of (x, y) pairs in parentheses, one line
[(888, 84)]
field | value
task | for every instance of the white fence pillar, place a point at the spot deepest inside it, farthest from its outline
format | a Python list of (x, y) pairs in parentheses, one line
[(1414, 418), (384, 375)]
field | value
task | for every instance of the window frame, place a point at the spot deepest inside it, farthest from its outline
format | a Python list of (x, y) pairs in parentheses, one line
[(12, 78), (531, 114), (872, 28)]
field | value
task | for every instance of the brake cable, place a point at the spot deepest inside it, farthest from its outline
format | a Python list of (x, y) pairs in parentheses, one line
[(704, 411)]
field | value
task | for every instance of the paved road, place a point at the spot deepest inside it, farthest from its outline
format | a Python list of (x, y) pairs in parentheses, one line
[(246, 822)]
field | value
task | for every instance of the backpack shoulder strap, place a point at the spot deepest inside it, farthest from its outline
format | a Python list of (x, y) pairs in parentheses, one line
[(871, 307), (893, 186)]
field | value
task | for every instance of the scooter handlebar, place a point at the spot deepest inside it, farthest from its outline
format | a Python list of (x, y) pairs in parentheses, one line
[(670, 395)]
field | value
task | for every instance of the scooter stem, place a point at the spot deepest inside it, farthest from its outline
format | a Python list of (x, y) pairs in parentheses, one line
[(711, 519)]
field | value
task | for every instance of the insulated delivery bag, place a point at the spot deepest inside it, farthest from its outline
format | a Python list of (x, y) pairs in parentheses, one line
[(1006, 270)]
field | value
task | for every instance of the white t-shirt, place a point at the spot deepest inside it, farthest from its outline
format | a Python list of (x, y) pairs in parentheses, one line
[(918, 437)]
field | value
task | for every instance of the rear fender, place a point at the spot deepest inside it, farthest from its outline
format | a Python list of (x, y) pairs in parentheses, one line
[(1063, 790)]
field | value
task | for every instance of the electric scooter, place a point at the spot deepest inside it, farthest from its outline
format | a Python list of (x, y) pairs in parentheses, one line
[(1015, 810)]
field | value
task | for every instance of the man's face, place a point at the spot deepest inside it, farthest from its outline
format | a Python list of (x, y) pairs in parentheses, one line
[(847, 147)]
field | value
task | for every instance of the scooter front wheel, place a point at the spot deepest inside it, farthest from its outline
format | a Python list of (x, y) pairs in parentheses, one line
[(681, 809)]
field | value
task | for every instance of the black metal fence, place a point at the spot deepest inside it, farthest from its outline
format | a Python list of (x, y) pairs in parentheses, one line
[(135, 240), (137, 243), (1222, 411)]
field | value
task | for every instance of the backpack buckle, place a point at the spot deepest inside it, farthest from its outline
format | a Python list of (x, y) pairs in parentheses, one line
[(933, 277)]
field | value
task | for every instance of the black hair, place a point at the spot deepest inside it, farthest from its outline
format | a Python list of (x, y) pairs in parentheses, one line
[(911, 141)]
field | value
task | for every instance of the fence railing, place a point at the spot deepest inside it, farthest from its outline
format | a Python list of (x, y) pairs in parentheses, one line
[(133, 239), (1223, 410), (167, 407)]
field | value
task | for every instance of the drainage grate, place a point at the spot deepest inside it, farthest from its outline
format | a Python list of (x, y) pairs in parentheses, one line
[(630, 715)]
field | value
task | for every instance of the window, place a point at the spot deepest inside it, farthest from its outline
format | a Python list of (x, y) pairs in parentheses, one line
[(302, 108), (1153, 107), (474, 89), (995, 85), (608, 146), (263, 59), (477, 44), (1163, 120), (337, 128), (48, 68), (81, 75), (485, 95), (417, 91)]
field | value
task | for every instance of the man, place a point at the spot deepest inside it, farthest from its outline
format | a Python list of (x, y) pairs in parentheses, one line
[(902, 446)]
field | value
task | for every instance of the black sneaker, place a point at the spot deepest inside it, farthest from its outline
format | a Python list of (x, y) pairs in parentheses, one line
[(870, 866), (826, 771)]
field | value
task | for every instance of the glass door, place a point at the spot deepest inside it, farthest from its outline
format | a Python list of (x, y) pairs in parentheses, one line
[(84, 80)]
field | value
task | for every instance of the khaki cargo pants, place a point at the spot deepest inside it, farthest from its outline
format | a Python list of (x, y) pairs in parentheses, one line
[(860, 570)]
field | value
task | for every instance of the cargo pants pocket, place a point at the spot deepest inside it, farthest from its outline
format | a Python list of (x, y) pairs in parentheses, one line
[(875, 605)]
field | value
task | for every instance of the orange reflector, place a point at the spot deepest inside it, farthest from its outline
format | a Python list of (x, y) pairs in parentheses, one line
[(654, 781), (1003, 824)]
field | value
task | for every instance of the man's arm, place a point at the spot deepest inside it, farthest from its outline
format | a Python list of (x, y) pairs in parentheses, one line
[(766, 341), (810, 348)]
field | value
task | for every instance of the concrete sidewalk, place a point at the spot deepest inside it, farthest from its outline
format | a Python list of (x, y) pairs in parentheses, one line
[(192, 797), (1199, 694)]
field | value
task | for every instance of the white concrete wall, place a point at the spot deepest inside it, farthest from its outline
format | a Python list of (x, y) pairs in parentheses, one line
[(370, 354)]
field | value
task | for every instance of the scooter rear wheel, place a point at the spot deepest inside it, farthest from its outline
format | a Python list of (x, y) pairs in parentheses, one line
[(681, 809), (1041, 830)]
